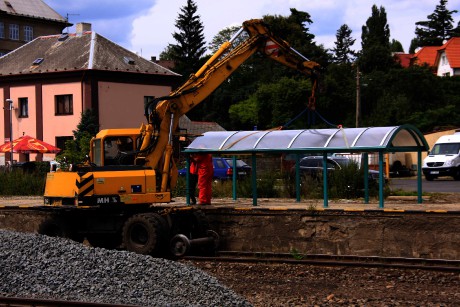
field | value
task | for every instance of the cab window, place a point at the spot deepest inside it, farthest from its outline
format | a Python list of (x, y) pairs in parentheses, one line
[(118, 150)]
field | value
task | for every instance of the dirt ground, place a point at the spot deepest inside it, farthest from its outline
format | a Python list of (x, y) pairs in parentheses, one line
[(303, 285)]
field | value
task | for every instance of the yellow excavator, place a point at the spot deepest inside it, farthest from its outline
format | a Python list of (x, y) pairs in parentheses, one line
[(111, 199)]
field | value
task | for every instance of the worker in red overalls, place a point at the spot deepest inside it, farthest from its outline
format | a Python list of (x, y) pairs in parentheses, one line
[(193, 178), (205, 174)]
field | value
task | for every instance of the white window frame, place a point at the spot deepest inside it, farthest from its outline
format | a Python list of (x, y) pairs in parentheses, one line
[(24, 107), (14, 32), (28, 33)]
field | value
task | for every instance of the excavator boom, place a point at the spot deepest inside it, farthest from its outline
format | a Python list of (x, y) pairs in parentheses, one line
[(213, 73)]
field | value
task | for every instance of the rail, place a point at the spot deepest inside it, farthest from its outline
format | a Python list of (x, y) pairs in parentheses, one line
[(334, 260), (7, 301)]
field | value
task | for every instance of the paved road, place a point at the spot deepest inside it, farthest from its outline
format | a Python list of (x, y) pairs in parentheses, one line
[(443, 184)]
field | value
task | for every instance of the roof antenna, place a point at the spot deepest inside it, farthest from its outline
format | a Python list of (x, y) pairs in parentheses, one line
[(67, 19)]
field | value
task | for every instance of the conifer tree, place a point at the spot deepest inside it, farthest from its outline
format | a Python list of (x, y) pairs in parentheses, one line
[(456, 31), (375, 42), (438, 27), (342, 51), (190, 43), (396, 46)]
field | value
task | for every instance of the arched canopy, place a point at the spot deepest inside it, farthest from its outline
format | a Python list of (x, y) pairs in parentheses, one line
[(405, 138)]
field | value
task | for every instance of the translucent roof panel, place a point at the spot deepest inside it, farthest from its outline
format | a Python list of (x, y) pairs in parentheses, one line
[(243, 140), (398, 138), (212, 141), (313, 138), (278, 139), (345, 137), (373, 136)]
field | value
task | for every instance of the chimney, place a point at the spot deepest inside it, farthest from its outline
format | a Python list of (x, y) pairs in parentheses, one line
[(82, 27)]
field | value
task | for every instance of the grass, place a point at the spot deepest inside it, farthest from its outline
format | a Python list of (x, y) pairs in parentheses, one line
[(346, 183), (19, 182)]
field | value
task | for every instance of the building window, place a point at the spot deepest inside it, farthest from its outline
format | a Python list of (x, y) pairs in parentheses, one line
[(28, 33), (14, 32), (64, 105), (2, 30), (444, 60), (60, 141), (23, 107)]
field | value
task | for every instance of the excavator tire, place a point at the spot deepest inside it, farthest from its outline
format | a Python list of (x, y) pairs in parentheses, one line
[(55, 227), (108, 241), (144, 234)]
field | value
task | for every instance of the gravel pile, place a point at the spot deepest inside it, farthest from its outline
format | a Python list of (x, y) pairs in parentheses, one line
[(37, 266)]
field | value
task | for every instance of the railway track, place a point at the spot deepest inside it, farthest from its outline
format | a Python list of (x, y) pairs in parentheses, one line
[(334, 260), (37, 302)]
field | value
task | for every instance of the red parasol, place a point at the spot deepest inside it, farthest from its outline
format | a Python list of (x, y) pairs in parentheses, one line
[(27, 144)]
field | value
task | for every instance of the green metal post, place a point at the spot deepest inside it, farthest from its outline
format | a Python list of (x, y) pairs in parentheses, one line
[(381, 182), (297, 178), (326, 203), (365, 156), (234, 178), (254, 180), (419, 177)]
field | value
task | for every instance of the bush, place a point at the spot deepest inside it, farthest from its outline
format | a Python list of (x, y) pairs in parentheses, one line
[(19, 182)]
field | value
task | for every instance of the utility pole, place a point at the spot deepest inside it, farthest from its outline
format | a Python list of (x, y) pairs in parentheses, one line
[(358, 97)]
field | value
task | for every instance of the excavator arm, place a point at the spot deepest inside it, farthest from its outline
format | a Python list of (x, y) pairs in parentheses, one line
[(163, 113)]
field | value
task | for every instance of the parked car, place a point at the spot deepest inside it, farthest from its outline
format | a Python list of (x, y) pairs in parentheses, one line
[(313, 166), (223, 168)]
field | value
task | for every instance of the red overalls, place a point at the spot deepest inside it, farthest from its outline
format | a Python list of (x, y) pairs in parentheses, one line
[(205, 174)]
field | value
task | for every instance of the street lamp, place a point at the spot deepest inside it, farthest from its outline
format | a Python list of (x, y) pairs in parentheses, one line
[(10, 101)]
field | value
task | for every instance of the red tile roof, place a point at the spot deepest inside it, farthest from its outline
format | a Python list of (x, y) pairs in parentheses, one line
[(403, 59), (452, 50), (426, 55)]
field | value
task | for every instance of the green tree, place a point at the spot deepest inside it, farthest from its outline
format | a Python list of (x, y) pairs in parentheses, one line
[(257, 71), (396, 46), (456, 31), (223, 36), (76, 150), (376, 53), (342, 51), (437, 28), (274, 104), (414, 43), (190, 43), (337, 101)]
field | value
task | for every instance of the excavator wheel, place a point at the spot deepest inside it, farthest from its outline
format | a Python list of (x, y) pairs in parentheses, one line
[(108, 241), (193, 225), (55, 227), (144, 234)]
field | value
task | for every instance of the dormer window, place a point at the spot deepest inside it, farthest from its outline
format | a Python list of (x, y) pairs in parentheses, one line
[(63, 37), (38, 61), (129, 60)]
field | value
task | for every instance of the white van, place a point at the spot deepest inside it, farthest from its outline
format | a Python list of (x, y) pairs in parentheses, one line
[(444, 158)]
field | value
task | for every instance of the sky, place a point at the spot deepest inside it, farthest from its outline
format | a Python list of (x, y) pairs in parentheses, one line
[(146, 27)]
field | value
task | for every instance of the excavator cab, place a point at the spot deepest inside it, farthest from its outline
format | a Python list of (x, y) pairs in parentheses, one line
[(114, 147)]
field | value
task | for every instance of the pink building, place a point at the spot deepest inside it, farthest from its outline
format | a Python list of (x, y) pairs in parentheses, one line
[(52, 79)]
